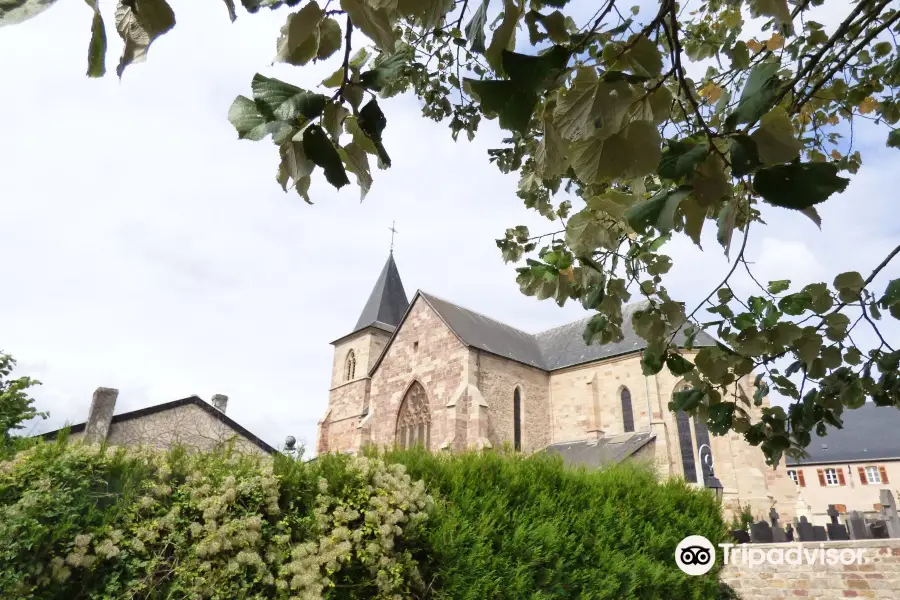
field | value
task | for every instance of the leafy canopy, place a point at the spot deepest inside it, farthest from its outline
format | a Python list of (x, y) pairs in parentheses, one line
[(618, 141), (16, 406)]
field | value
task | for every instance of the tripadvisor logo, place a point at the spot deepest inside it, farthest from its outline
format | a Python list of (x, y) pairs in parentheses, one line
[(695, 555)]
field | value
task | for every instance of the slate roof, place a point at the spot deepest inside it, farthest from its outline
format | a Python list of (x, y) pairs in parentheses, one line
[(869, 433), (195, 400), (593, 454), (387, 303), (549, 350)]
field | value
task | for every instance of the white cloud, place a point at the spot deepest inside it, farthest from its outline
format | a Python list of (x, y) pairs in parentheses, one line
[(146, 248)]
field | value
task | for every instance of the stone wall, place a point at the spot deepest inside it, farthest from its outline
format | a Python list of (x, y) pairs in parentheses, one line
[(497, 378), (337, 431), (877, 577), (186, 425), (366, 346), (424, 350)]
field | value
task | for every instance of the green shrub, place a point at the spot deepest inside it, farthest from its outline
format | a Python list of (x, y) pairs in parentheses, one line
[(82, 521), (512, 527), (88, 522)]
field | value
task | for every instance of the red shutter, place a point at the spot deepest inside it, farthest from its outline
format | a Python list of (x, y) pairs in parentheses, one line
[(884, 477), (841, 508), (862, 476), (841, 480), (821, 477), (801, 479)]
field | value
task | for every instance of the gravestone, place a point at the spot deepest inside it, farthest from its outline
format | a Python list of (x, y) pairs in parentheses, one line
[(889, 513), (778, 533), (856, 525), (740, 536), (819, 534), (761, 533), (836, 530), (805, 530), (879, 530), (789, 532)]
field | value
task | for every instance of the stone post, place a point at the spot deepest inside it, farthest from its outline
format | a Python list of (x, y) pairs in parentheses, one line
[(103, 405)]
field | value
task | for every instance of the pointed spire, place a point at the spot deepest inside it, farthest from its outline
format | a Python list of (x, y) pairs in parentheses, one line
[(387, 303)]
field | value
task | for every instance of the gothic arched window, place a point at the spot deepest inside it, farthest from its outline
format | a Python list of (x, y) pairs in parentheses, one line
[(350, 366), (686, 443), (414, 418), (517, 420), (627, 411)]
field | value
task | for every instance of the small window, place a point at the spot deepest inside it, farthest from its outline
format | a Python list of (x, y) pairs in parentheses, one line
[(415, 346), (793, 475), (831, 477), (873, 475), (517, 420), (627, 411), (350, 366)]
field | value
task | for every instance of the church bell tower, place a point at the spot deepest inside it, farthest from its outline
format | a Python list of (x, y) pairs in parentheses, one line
[(355, 355)]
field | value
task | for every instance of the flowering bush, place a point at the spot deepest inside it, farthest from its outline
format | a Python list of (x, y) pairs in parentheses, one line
[(79, 521), (104, 523)]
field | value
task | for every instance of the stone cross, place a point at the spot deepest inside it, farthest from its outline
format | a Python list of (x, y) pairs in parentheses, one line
[(836, 531), (889, 512), (773, 516), (857, 526), (393, 231)]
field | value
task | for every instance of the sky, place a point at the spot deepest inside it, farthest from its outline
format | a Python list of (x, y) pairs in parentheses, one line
[(145, 248)]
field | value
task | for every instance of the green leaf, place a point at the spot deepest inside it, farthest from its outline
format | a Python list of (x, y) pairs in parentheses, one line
[(505, 99), (140, 23), (97, 45), (772, 8), (585, 233), (710, 181), (651, 363), (385, 72), (551, 155), (680, 158), (775, 141), (740, 56), (893, 139), (890, 301), (372, 122), (726, 224), (247, 119), (849, 285), (330, 38), (504, 37), (475, 28), (574, 112), (666, 220), (744, 156), (319, 149), (612, 202), (758, 96), (333, 119), (357, 162), (646, 212), (335, 79), (799, 185), (13, 12), (283, 101), (778, 286), (296, 166), (678, 364), (531, 72), (298, 42), (644, 56), (373, 22)]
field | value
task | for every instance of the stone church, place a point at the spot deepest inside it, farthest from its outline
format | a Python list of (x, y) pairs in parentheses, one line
[(430, 372)]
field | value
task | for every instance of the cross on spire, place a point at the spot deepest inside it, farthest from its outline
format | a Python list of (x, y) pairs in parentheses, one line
[(393, 231)]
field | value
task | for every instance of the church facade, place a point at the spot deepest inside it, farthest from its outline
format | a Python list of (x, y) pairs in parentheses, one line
[(429, 372)]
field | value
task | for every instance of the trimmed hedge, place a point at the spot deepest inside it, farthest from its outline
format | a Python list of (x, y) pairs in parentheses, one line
[(92, 522)]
